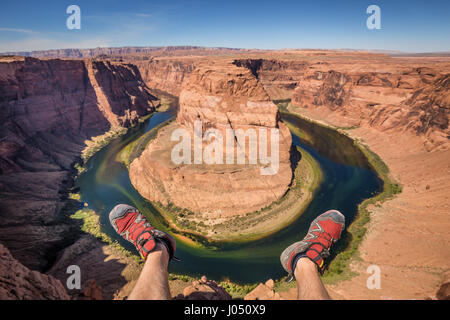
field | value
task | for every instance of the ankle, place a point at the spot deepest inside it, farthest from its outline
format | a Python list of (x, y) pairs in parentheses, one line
[(304, 264), (159, 252)]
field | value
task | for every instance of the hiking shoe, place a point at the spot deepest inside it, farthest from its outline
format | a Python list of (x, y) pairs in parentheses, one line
[(323, 232), (134, 227)]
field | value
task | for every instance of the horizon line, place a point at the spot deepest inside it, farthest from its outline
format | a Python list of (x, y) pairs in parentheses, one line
[(231, 48)]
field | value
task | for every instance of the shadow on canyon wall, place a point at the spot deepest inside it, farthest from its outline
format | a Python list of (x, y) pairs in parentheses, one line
[(49, 108)]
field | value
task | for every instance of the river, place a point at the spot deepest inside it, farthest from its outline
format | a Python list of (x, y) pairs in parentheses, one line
[(347, 181)]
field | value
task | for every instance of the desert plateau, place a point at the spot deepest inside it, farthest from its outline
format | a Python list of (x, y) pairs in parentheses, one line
[(396, 106), (233, 152)]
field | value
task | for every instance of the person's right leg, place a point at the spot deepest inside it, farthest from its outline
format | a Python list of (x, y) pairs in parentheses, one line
[(153, 283), (304, 260), (309, 285)]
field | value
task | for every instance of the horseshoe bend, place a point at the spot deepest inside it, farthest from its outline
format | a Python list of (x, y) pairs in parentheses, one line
[(229, 99), (345, 121)]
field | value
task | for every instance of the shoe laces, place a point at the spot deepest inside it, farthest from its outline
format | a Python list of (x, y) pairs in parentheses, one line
[(327, 237), (135, 226), (325, 252)]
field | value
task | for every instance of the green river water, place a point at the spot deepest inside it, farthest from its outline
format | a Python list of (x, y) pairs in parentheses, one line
[(347, 181)]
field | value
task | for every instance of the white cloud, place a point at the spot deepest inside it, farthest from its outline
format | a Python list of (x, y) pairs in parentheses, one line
[(38, 43), (18, 30), (116, 30)]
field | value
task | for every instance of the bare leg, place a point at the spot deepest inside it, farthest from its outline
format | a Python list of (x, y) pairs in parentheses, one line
[(153, 283), (309, 285)]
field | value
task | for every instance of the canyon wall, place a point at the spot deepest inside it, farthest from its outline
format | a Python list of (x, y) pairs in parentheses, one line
[(278, 77), (166, 74), (368, 89), (364, 89), (48, 109), (406, 99)]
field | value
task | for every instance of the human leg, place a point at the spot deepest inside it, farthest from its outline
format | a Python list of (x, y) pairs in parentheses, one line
[(156, 247), (304, 260), (153, 283)]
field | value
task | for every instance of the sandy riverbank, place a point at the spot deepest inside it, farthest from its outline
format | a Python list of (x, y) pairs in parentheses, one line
[(250, 226)]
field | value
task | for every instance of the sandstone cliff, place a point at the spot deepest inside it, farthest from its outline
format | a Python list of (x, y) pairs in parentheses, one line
[(367, 89), (166, 74), (278, 77), (406, 99), (426, 112), (48, 109)]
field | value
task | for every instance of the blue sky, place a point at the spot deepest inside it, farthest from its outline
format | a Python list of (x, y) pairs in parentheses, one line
[(412, 26)]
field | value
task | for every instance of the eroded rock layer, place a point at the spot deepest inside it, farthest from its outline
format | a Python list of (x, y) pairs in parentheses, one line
[(221, 96), (397, 98)]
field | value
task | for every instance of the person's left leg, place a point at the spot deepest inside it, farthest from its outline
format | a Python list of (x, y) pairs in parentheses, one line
[(156, 247)]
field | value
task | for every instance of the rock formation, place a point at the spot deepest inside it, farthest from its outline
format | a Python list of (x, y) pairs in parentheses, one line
[(17, 282), (92, 291), (367, 89), (166, 74), (222, 96), (203, 289), (443, 293), (264, 291), (278, 77)]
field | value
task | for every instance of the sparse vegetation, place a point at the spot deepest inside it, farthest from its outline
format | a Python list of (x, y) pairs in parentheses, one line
[(74, 196), (96, 143), (237, 290), (166, 103), (339, 268), (91, 224), (134, 149)]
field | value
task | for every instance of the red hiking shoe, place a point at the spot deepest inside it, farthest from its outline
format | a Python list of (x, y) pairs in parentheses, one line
[(323, 232), (134, 227)]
